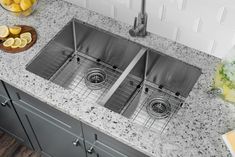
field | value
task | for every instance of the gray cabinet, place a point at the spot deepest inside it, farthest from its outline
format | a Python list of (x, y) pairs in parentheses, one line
[(9, 121), (56, 134), (51, 131), (99, 144)]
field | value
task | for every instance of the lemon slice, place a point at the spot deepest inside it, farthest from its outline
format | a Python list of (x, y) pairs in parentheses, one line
[(4, 31), (17, 43), (23, 43), (15, 30), (6, 2), (9, 42), (33, 1), (28, 38), (27, 12), (25, 34), (25, 4), (14, 7), (17, 1)]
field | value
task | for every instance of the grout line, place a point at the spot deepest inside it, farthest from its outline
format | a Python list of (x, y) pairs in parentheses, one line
[(113, 12), (211, 48), (177, 34), (221, 15), (162, 13), (197, 25), (181, 4)]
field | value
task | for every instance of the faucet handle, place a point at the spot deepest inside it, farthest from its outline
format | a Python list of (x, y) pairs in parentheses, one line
[(135, 22)]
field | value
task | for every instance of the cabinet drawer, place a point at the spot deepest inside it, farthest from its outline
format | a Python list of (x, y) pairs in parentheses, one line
[(44, 109), (101, 150), (107, 144), (49, 137)]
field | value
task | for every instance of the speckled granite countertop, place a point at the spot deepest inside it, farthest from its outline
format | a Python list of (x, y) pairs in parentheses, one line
[(196, 129)]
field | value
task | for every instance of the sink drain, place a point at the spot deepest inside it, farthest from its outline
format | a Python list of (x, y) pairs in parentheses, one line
[(95, 78), (159, 108)]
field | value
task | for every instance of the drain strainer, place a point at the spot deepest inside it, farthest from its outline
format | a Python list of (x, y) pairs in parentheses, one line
[(95, 78), (158, 108)]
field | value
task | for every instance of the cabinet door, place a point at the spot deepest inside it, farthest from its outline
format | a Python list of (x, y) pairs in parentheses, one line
[(100, 145), (52, 137), (52, 132), (9, 121), (99, 149)]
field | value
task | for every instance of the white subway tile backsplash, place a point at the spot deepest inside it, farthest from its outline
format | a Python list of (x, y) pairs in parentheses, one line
[(135, 5), (220, 15), (161, 28), (162, 13), (229, 17), (194, 40), (197, 25), (180, 18), (206, 25), (100, 6), (221, 49), (125, 14), (181, 4)]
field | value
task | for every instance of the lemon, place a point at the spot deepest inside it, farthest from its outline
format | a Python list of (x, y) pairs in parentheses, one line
[(25, 4), (15, 7), (17, 1), (27, 12), (9, 42), (6, 2), (33, 1), (15, 30), (23, 43), (17, 43), (28, 38), (4, 31), (25, 34)]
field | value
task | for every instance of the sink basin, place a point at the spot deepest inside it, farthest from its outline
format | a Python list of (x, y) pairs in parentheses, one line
[(140, 83)]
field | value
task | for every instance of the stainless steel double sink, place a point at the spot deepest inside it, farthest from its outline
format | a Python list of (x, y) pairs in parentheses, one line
[(142, 84)]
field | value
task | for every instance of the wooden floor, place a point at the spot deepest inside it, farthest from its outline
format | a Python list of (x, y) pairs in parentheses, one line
[(10, 147)]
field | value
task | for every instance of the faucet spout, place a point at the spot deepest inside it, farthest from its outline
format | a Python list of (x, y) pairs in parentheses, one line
[(143, 3), (140, 23)]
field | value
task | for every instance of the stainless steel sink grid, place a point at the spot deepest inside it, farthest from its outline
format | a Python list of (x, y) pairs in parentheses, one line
[(139, 83), (158, 107), (75, 73), (155, 108)]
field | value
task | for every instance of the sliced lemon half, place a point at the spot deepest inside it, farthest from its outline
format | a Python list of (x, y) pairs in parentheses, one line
[(28, 39), (14, 7), (17, 1), (17, 43), (25, 4), (4, 31), (6, 2), (25, 34), (23, 43), (9, 42), (15, 30)]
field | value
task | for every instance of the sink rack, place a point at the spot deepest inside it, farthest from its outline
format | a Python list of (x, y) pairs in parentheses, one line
[(129, 68)]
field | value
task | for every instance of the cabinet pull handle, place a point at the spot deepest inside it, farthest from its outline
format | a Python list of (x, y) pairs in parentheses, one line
[(76, 142), (90, 150), (4, 104)]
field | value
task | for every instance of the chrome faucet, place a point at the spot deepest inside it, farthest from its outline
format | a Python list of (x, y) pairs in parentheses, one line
[(140, 23)]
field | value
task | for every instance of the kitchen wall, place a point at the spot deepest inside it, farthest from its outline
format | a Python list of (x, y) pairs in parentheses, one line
[(206, 25)]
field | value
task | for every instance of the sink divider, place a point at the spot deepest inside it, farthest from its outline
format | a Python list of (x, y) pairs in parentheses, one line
[(123, 76), (74, 36)]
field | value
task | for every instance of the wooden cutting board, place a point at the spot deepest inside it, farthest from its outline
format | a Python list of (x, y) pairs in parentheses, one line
[(17, 50)]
